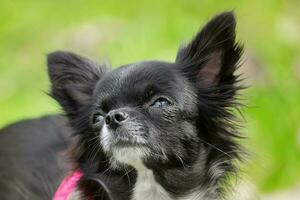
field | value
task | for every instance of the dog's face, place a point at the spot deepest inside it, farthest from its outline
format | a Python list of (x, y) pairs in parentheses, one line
[(168, 115), (148, 108)]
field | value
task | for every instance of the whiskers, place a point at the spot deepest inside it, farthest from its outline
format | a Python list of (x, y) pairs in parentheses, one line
[(216, 148), (94, 145)]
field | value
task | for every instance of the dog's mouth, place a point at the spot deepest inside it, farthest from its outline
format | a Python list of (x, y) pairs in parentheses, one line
[(124, 140), (121, 137)]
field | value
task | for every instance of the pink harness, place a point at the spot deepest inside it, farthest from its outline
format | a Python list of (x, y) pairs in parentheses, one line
[(67, 186)]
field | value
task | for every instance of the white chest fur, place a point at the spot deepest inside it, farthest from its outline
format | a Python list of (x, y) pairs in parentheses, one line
[(147, 188)]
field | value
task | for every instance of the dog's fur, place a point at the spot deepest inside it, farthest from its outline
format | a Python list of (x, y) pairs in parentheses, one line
[(31, 165), (152, 129)]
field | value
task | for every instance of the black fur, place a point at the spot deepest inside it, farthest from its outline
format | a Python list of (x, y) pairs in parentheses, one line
[(31, 162), (192, 141)]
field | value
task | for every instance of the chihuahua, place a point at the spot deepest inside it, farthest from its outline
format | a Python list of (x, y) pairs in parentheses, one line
[(154, 130)]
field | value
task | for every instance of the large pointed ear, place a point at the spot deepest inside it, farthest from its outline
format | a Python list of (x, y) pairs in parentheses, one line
[(211, 58), (73, 79)]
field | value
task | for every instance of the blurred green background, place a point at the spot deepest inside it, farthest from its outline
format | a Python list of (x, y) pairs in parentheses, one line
[(127, 31)]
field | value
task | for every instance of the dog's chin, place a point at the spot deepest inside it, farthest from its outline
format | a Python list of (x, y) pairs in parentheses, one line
[(128, 156), (124, 147)]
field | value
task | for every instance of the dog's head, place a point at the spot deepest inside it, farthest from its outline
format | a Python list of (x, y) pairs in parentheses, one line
[(167, 115)]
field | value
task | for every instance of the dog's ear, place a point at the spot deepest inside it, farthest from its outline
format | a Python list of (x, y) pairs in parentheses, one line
[(211, 58), (73, 79)]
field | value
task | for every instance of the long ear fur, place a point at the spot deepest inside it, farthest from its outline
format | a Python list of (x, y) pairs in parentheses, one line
[(211, 58), (73, 79)]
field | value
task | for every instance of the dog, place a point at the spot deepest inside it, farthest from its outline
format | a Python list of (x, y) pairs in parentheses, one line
[(154, 130)]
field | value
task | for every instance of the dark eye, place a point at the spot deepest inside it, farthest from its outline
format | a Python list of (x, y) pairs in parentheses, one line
[(161, 103), (97, 117), (105, 107)]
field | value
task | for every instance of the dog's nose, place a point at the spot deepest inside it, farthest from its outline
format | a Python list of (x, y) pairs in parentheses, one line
[(115, 118)]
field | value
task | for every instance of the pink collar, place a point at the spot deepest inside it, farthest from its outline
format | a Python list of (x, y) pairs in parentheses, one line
[(67, 186)]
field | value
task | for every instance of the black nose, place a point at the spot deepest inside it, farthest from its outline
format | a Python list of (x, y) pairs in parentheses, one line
[(115, 118)]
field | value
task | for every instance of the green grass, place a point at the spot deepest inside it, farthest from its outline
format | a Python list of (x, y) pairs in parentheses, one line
[(128, 31)]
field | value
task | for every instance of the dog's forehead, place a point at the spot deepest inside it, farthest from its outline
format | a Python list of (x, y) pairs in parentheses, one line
[(137, 76), (143, 71)]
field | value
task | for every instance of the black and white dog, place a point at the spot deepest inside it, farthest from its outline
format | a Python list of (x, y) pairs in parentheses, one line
[(149, 130)]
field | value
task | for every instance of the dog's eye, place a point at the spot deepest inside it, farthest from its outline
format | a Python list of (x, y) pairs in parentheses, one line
[(97, 117), (161, 102)]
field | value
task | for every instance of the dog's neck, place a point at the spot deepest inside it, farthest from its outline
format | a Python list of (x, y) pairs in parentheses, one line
[(148, 188), (149, 184)]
